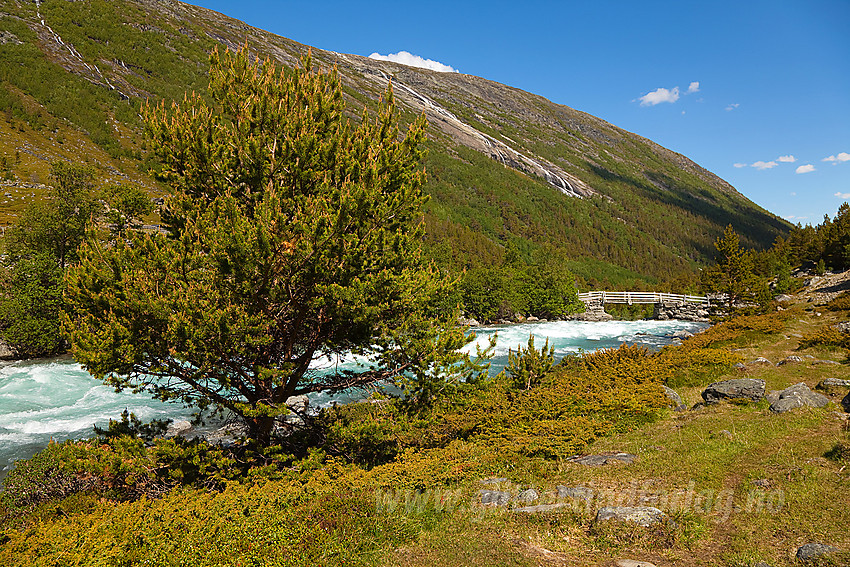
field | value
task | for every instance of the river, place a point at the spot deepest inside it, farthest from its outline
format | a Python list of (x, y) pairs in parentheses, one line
[(56, 399)]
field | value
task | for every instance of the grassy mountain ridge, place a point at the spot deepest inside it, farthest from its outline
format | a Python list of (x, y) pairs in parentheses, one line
[(505, 166)]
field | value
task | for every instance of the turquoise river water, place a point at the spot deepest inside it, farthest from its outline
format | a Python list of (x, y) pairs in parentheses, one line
[(56, 399)]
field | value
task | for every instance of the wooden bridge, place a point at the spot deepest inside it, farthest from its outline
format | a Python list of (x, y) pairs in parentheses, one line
[(633, 297)]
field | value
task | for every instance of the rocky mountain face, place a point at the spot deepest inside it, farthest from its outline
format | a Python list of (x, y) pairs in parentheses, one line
[(505, 166)]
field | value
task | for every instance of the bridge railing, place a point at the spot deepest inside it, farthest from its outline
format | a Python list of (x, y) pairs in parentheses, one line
[(631, 297)]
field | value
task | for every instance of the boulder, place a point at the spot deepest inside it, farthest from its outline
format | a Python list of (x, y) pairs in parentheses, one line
[(789, 360), (180, 427), (603, 459), (7, 351), (298, 404), (843, 327), (539, 508), (747, 389), (574, 492), (641, 515), (527, 496), (675, 399), (812, 551), (833, 383), (772, 396), (762, 360), (497, 498), (797, 396)]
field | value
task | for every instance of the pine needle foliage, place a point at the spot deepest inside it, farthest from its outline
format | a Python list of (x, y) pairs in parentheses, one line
[(293, 236)]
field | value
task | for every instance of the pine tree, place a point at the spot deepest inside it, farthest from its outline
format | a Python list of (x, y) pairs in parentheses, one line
[(294, 235)]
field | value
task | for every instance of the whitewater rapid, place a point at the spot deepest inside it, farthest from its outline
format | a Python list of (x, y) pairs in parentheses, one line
[(56, 399)]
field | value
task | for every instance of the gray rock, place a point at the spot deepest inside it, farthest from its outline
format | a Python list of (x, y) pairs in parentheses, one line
[(813, 550), (7, 351), (575, 492), (176, 428), (633, 563), (642, 515), (762, 360), (833, 383), (495, 497), (772, 396), (736, 389), (762, 564), (493, 480), (789, 360), (797, 396), (741, 366), (843, 327), (675, 399), (603, 459), (682, 334), (527, 496), (298, 404), (539, 508)]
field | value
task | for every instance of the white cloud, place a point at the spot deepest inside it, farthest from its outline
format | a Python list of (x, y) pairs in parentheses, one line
[(732, 106), (786, 159), (843, 195), (843, 156), (693, 87), (660, 95), (739, 165), (407, 58), (762, 165), (808, 168)]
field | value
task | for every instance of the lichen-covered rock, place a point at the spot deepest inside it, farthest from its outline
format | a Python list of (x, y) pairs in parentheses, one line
[(603, 459), (746, 389), (575, 492), (641, 515), (813, 551), (633, 563), (675, 399), (527, 496), (833, 383), (495, 497), (797, 396), (7, 351)]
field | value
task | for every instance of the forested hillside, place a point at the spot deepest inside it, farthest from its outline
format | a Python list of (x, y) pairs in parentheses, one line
[(507, 170)]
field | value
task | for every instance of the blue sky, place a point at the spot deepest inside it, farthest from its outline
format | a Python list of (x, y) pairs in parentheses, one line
[(769, 102)]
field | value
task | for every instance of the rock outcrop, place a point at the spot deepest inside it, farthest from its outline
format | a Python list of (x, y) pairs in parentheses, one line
[(812, 551), (642, 515), (738, 389), (603, 459), (684, 311), (675, 398), (795, 396)]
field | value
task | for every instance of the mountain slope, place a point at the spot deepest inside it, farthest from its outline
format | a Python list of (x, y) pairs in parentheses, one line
[(505, 166)]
